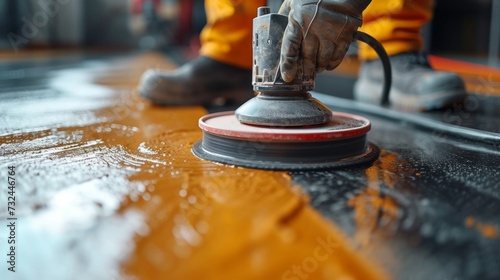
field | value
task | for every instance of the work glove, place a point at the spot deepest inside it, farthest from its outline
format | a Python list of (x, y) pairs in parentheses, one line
[(320, 31)]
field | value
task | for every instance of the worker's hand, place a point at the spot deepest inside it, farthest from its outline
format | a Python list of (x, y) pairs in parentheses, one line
[(320, 31)]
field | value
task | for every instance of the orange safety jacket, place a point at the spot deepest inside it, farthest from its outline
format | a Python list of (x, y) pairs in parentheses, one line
[(227, 36)]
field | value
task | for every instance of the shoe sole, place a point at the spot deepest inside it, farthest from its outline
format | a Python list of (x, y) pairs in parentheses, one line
[(223, 98), (371, 92)]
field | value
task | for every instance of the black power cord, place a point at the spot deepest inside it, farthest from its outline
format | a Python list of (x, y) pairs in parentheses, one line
[(386, 63)]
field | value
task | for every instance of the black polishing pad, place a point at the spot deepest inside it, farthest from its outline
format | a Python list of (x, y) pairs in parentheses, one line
[(339, 143)]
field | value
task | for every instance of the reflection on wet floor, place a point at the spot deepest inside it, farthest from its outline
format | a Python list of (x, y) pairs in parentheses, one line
[(108, 188)]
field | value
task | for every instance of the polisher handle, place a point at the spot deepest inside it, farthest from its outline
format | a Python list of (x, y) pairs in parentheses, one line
[(268, 29)]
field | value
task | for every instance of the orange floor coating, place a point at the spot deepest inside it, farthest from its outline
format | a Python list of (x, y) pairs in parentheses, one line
[(112, 183), (487, 230), (370, 207), (479, 79)]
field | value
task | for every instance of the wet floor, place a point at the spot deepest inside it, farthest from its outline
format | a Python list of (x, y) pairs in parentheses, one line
[(429, 204), (106, 187)]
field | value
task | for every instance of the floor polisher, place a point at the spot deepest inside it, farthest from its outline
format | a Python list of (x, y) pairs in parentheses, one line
[(284, 127)]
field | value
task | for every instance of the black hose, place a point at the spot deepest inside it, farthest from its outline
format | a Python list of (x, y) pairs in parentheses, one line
[(386, 63)]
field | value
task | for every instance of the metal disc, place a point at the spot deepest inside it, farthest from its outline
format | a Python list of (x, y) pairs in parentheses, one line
[(283, 111)]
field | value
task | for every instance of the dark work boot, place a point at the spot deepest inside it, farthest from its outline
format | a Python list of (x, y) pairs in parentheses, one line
[(415, 85), (202, 81)]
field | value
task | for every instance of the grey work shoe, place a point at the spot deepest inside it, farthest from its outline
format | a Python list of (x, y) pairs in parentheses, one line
[(415, 85), (202, 81)]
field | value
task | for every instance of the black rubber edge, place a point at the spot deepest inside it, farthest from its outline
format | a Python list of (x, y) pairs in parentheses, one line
[(370, 154)]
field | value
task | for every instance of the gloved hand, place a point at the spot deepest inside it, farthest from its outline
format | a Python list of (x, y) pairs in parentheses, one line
[(320, 31)]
